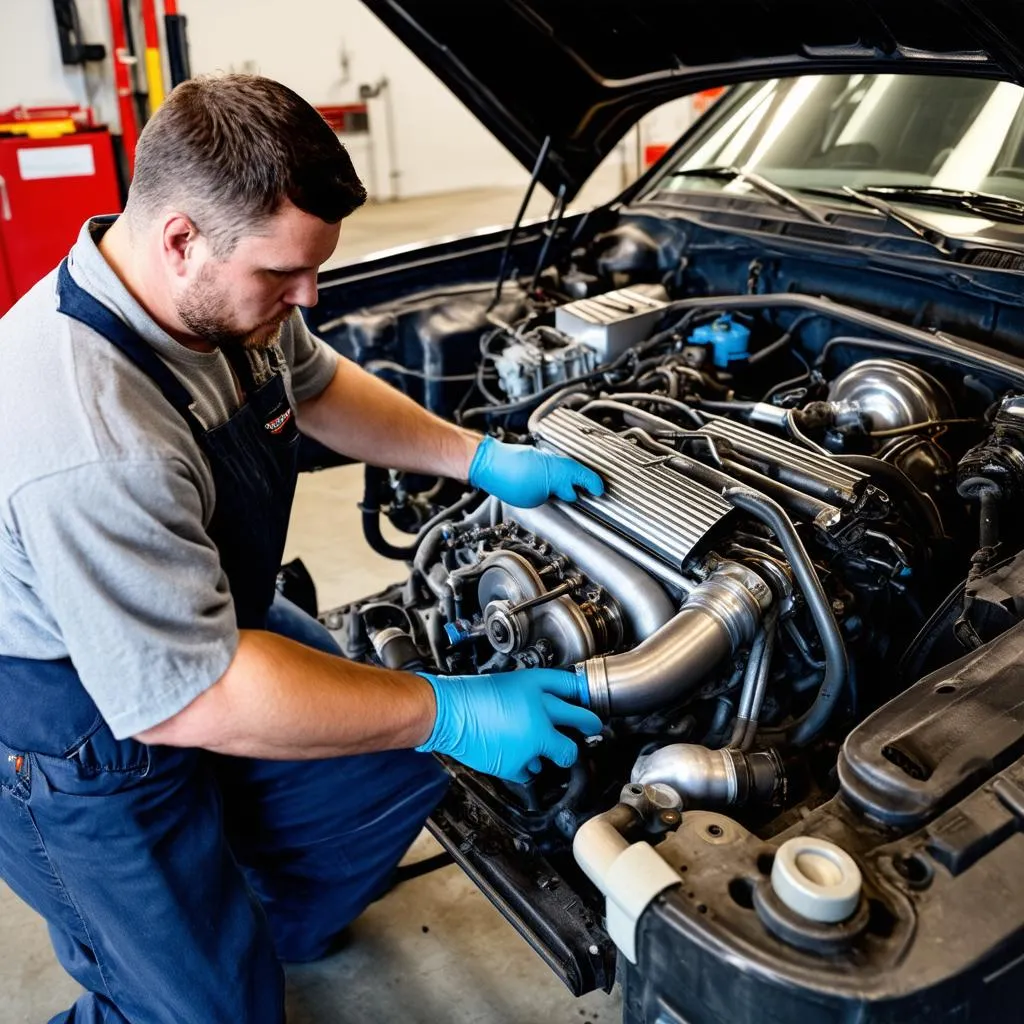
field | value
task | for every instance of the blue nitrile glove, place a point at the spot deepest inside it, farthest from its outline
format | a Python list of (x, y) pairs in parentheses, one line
[(523, 476), (503, 724)]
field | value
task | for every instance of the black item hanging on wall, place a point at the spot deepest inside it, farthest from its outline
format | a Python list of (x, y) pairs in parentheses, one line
[(140, 97), (175, 30), (69, 29)]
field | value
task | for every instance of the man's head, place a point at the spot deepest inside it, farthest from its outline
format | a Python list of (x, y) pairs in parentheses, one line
[(239, 189)]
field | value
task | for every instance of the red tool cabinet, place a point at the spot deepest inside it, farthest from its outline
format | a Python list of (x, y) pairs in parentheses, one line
[(48, 187)]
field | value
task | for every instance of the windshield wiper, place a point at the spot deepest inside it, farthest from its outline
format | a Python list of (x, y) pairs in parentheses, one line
[(918, 227), (982, 204), (757, 182)]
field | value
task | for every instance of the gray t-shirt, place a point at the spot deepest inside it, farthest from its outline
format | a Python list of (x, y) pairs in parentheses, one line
[(105, 498)]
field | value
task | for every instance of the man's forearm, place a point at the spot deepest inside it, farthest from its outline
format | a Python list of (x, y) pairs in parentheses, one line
[(281, 700), (362, 417)]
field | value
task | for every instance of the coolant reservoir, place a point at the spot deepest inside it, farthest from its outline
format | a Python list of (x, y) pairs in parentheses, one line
[(728, 340), (816, 879)]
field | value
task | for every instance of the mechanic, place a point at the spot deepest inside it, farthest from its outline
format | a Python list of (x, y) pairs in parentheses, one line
[(194, 786)]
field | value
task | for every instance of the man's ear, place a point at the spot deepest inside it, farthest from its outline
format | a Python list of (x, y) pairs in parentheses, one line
[(181, 245)]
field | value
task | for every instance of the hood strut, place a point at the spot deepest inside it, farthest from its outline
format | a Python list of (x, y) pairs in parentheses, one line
[(534, 177)]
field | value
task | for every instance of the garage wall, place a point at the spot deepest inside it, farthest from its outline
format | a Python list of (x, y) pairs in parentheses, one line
[(30, 67), (438, 145)]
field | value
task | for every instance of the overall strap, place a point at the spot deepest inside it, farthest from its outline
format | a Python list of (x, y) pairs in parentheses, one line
[(239, 361), (75, 302)]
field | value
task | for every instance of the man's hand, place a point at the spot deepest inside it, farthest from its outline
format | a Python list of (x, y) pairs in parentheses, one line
[(523, 476), (504, 724)]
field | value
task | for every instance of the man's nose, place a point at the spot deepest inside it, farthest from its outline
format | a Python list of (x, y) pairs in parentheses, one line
[(302, 291)]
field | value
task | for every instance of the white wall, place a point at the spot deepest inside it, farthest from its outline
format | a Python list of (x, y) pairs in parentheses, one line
[(438, 144), (30, 69)]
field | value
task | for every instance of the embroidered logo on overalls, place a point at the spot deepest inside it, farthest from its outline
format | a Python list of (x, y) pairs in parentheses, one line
[(277, 424)]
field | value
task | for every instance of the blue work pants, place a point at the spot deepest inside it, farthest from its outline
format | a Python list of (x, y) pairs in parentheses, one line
[(175, 881)]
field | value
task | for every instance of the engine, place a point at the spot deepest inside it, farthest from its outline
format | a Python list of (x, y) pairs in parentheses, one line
[(785, 508)]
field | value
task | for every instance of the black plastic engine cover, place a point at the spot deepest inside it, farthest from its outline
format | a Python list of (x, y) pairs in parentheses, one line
[(928, 946), (927, 747), (684, 976), (931, 808)]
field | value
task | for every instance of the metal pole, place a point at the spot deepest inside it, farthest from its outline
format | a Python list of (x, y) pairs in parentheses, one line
[(123, 60), (176, 35), (154, 72), (389, 113), (129, 7)]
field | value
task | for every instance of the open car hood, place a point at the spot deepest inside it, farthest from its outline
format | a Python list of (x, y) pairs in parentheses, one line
[(582, 73)]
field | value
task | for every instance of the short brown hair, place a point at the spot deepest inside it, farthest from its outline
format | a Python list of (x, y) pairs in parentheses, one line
[(229, 149)]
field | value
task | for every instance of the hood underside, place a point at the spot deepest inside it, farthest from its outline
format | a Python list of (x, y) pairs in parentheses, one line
[(582, 73)]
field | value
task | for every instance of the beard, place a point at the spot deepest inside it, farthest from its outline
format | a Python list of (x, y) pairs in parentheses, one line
[(202, 310)]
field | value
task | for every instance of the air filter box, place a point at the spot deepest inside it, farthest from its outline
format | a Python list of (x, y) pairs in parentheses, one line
[(615, 321)]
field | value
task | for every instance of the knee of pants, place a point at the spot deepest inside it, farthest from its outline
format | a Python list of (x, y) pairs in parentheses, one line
[(323, 888), (288, 619)]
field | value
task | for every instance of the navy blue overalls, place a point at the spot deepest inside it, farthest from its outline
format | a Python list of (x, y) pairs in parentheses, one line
[(174, 880)]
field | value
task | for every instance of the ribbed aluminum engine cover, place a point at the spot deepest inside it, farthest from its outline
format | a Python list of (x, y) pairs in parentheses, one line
[(656, 507), (816, 474)]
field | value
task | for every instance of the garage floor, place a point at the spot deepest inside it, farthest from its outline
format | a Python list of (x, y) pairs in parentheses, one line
[(434, 950)]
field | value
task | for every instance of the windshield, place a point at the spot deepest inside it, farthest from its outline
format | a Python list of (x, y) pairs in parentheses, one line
[(827, 131)]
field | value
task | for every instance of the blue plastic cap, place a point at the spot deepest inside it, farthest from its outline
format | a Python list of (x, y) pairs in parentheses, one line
[(458, 631), (728, 340)]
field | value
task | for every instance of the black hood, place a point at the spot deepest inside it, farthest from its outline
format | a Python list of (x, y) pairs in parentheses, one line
[(582, 73)]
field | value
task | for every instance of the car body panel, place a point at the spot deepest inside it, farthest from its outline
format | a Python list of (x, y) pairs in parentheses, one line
[(923, 945), (581, 74)]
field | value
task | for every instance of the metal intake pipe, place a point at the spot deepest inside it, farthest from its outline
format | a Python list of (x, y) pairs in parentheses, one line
[(720, 616), (645, 605), (702, 777)]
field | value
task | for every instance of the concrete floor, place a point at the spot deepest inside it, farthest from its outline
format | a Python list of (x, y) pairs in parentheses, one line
[(385, 225), (434, 950)]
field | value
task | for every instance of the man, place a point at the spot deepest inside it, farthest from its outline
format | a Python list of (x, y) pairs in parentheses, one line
[(187, 794)]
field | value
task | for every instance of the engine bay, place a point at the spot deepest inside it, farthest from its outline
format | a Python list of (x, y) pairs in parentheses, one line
[(808, 510)]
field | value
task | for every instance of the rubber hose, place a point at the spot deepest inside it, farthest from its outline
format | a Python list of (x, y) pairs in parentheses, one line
[(370, 508), (925, 515), (811, 723)]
